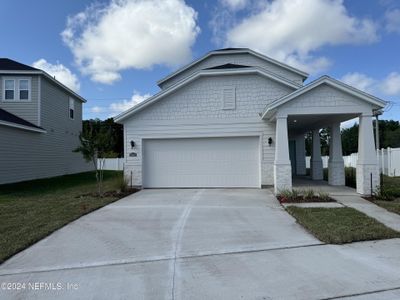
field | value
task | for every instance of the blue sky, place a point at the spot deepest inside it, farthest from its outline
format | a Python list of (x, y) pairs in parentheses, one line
[(113, 52)]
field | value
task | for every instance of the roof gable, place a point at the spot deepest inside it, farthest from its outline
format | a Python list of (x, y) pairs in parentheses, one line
[(211, 72), (324, 80), (232, 51)]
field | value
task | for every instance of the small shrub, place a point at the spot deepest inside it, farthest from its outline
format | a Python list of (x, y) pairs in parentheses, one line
[(284, 195), (308, 194), (287, 195), (385, 194), (324, 196), (121, 184), (295, 194)]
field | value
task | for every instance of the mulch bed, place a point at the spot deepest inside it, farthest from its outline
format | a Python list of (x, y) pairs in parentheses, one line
[(301, 199), (117, 194)]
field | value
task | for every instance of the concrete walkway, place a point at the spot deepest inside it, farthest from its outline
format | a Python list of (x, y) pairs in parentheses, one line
[(198, 244)]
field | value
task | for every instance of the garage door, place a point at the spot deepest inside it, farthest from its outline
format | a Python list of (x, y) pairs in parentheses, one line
[(201, 162)]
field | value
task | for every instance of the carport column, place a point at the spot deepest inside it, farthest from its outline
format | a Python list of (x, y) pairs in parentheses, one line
[(300, 155), (316, 159), (367, 162), (282, 167), (336, 162)]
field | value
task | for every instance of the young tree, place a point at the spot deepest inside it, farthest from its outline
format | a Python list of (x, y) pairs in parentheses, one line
[(96, 144)]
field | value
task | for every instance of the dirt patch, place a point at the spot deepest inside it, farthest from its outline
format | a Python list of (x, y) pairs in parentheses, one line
[(301, 199)]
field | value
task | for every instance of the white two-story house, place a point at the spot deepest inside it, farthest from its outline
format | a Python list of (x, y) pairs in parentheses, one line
[(40, 122), (236, 118)]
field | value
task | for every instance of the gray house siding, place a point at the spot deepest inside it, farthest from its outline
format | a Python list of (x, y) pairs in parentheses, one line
[(27, 110), (240, 59), (26, 155)]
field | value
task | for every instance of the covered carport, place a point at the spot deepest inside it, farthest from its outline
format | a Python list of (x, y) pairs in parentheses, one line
[(324, 103)]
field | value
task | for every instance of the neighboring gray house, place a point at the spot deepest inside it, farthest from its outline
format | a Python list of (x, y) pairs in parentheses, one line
[(236, 118), (40, 121)]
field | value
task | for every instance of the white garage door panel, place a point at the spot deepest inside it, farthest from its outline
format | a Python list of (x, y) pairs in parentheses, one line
[(201, 162)]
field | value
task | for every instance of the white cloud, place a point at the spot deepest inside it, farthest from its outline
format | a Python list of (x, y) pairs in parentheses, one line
[(106, 39), (136, 98), (391, 84), (360, 81), (117, 107), (292, 30), (234, 4), (392, 18), (60, 72)]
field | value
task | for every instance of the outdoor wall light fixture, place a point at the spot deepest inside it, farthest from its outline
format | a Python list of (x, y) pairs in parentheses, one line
[(270, 141), (132, 144)]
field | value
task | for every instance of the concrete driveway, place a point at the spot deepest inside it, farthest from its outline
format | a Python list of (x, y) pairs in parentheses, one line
[(198, 244)]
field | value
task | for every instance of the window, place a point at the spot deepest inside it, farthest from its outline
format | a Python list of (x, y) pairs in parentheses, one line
[(23, 89), (17, 89), (229, 98), (71, 108), (9, 89)]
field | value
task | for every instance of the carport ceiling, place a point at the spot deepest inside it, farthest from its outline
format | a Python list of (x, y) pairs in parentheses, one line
[(299, 124)]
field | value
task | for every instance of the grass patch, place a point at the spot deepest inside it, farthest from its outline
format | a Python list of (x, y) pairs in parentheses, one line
[(29, 211), (393, 206), (341, 225)]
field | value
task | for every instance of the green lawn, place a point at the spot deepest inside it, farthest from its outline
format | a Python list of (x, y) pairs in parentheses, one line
[(29, 211), (393, 206), (340, 225)]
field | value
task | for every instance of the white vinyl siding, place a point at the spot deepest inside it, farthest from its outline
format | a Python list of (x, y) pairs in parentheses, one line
[(195, 111)]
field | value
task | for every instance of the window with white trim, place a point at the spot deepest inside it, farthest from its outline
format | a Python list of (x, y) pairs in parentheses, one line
[(9, 89), (16, 89), (71, 108), (23, 88)]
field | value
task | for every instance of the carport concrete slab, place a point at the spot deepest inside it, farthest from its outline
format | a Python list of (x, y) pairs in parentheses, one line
[(157, 224)]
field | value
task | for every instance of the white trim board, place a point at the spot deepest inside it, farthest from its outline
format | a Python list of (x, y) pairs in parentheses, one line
[(29, 128)]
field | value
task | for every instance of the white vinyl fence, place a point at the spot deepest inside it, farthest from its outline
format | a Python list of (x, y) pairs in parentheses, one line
[(114, 164), (389, 161)]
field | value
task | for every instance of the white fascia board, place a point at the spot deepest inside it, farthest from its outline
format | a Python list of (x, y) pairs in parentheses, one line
[(239, 51), (180, 84), (48, 76), (14, 125), (331, 82)]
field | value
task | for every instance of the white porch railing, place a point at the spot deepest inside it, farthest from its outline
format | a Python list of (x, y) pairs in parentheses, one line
[(389, 161)]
